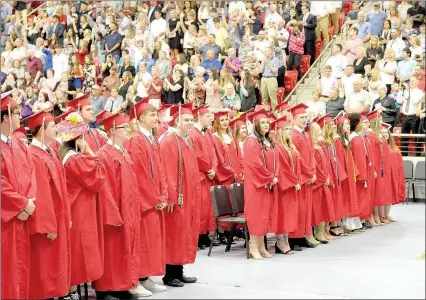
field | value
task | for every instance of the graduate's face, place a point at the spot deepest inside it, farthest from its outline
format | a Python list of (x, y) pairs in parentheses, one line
[(224, 122), (49, 132), (243, 132), (186, 123), (16, 118), (264, 126), (346, 127), (205, 120), (334, 128), (365, 125), (149, 119), (301, 120), (287, 131), (87, 113), (120, 133)]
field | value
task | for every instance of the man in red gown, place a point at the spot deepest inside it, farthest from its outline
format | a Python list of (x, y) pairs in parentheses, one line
[(183, 210), (50, 226), (303, 143), (94, 139), (121, 215), (207, 165), (144, 149), (18, 191)]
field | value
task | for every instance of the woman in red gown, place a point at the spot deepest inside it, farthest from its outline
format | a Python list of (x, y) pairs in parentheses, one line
[(260, 192), (289, 184), (397, 172), (85, 179), (239, 129)]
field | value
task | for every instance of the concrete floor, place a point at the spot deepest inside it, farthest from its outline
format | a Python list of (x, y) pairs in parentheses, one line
[(380, 263)]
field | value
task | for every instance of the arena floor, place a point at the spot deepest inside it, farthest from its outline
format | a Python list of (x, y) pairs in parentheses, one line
[(381, 263)]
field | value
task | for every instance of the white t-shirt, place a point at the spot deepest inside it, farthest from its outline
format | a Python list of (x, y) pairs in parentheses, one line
[(317, 107), (338, 64), (141, 89), (157, 27), (283, 33), (388, 67)]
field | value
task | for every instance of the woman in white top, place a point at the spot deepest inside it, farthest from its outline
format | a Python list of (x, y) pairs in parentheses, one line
[(316, 105), (387, 67), (181, 64), (204, 12), (189, 37), (416, 48), (142, 80), (326, 82), (374, 83)]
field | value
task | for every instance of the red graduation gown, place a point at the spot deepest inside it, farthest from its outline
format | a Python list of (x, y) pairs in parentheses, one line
[(359, 150), (152, 191), (260, 206), (162, 128), (17, 186), (349, 196), (85, 179), (121, 207), (229, 161), (372, 144), (182, 225), (206, 158), (384, 180), (50, 261), (307, 166), (95, 139), (397, 182), (288, 177), (322, 203)]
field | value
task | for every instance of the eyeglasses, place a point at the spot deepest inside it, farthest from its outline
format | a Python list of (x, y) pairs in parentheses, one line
[(122, 127)]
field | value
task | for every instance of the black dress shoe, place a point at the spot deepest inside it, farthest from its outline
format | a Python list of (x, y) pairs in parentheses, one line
[(306, 244), (185, 279), (174, 282), (368, 225), (201, 247)]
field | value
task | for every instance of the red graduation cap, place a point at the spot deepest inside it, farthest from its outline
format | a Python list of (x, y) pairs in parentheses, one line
[(39, 119), (237, 123), (72, 127), (298, 109), (282, 106), (7, 102), (340, 118), (271, 117), (115, 120), (246, 114), (20, 133), (260, 107), (200, 110), (79, 102), (386, 126), (163, 108), (280, 123), (100, 117), (220, 114), (324, 120), (374, 114), (363, 117), (258, 115), (184, 109), (63, 116), (139, 108)]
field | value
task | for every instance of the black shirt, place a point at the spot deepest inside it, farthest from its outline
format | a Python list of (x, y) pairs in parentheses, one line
[(412, 11), (389, 103), (334, 107), (359, 68)]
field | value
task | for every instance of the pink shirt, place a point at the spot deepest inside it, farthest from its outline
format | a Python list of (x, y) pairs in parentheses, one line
[(351, 46)]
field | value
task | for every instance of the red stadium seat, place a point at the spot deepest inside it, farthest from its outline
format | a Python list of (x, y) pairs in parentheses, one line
[(318, 48), (290, 80), (341, 21), (280, 94), (397, 138), (330, 32), (174, 60), (347, 7), (306, 63)]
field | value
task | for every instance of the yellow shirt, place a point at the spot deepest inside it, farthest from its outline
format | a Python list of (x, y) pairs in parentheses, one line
[(221, 36)]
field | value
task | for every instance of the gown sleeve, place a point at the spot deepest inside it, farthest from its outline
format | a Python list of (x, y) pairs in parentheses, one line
[(170, 164), (288, 178), (261, 175), (224, 171), (358, 152)]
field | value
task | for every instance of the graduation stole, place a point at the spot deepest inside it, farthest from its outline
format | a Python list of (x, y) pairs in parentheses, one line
[(148, 147), (180, 168), (262, 148), (332, 149)]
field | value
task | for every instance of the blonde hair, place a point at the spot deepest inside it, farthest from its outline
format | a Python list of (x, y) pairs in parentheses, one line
[(391, 52), (328, 134), (375, 75), (286, 142), (362, 50), (416, 39), (313, 129)]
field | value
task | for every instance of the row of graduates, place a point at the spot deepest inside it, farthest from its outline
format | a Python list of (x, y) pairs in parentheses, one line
[(114, 210)]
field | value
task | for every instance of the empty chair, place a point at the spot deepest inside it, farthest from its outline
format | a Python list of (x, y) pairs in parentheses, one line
[(237, 196), (408, 169), (222, 208), (419, 176)]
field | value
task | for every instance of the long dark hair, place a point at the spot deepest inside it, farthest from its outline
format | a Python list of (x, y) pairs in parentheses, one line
[(344, 137), (259, 136), (65, 147)]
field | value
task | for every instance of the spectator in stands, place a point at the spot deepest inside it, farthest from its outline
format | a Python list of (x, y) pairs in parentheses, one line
[(174, 91), (416, 49), (111, 82), (337, 61), (96, 99), (374, 52), (213, 91), (195, 87), (348, 79), (309, 23), (394, 18), (408, 30), (114, 103), (403, 9), (359, 101), (387, 67), (396, 43), (353, 14), (316, 106), (146, 59), (376, 18), (334, 105), (322, 11), (231, 99), (422, 37), (361, 63), (419, 73), (113, 43), (260, 45), (417, 13), (296, 42), (386, 34), (326, 82), (387, 105), (233, 63), (373, 83), (164, 65), (269, 69), (352, 44), (210, 46), (211, 62), (405, 68), (247, 91), (364, 28), (66, 86), (282, 35)]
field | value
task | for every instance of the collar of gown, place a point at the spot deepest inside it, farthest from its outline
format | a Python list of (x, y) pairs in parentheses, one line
[(37, 143)]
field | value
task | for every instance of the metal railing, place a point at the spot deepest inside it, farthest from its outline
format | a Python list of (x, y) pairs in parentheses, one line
[(410, 144), (32, 12), (327, 50)]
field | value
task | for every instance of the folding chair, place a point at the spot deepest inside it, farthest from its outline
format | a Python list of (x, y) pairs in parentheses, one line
[(290, 80), (419, 176), (408, 172), (306, 63), (222, 207)]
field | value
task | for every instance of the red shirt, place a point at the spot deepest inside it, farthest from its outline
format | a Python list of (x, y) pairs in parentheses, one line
[(33, 66), (81, 54), (295, 44), (152, 93), (422, 83)]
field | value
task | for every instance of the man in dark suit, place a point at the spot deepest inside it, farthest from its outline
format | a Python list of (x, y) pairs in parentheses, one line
[(58, 29), (309, 22), (154, 7)]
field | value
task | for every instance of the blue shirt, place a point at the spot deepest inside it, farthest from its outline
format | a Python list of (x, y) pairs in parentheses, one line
[(149, 64), (364, 29), (48, 63), (376, 20), (205, 48), (111, 40), (212, 65), (406, 67), (274, 62)]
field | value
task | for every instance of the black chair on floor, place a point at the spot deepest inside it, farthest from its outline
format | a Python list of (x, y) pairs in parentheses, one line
[(419, 177), (408, 172), (222, 208)]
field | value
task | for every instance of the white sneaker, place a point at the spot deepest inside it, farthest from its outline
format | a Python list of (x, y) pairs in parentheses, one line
[(140, 291), (152, 286)]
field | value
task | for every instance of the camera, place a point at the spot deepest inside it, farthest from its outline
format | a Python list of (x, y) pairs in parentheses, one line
[(416, 56)]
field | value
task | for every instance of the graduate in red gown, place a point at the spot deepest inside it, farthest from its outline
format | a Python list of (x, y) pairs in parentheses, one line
[(229, 158), (164, 116), (183, 211), (363, 164), (289, 178), (144, 149), (85, 176), (260, 192), (21, 134), (344, 153), (207, 164), (397, 183), (94, 139), (303, 236), (337, 173), (50, 226), (240, 132), (18, 192), (281, 109), (121, 215), (56, 143)]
